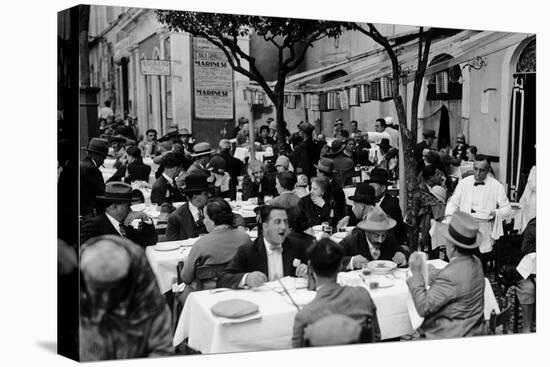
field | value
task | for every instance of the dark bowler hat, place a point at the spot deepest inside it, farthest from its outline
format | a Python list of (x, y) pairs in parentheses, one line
[(337, 146), (202, 149), (116, 192), (463, 231), (196, 183), (98, 146), (325, 165), (429, 133), (379, 175), (364, 193), (217, 164)]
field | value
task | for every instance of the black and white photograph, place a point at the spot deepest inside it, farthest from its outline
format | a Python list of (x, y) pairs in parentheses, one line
[(233, 182)]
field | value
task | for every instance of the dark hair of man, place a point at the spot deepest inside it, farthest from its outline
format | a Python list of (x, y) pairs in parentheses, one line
[(428, 171), (133, 151), (287, 180), (473, 150), (297, 219), (482, 158), (220, 211), (382, 122), (151, 131), (353, 122), (264, 127), (325, 257), (170, 160), (348, 140), (266, 210), (108, 103), (345, 134), (433, 157)]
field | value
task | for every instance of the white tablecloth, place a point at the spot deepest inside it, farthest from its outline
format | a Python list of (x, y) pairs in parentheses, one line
[(241, 153), (164, 263)]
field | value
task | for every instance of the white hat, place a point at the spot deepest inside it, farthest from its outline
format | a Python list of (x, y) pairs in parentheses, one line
[(389, 120)]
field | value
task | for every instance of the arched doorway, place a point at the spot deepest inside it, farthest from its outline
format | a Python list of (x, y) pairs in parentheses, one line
[(522, 123)]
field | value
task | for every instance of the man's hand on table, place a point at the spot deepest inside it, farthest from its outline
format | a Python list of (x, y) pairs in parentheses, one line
[(399, 258), (358, 261), (255, 279), (136, 215), (415, 263)]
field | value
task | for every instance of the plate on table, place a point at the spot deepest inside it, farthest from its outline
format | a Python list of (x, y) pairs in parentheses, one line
[(167, 246), (340, 235), (249, 207), (381, 266)]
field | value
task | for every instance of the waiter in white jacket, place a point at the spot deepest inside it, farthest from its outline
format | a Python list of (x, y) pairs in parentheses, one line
[(484, 197)]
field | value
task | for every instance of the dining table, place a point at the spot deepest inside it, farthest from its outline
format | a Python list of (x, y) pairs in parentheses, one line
[(271, 328)]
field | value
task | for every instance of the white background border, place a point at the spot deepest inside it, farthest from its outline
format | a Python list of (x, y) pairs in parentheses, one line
[(28, 279)]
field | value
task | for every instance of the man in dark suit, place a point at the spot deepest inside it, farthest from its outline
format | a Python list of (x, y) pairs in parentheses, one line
[(388, 203), (373, 242), (429, 137), (134, 170), (91, 179), (325, 258), (257, 182), (268, 258), (234, 166), (119, 219), (335, 195), (188, 220), (165, 188), (306, 153)]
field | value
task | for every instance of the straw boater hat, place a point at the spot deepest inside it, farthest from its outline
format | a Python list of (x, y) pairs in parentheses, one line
[(389, 120), (201, 149), (97, 145), (376, 221), (325, 165), (462, 231), (116, 192), (364, 193)]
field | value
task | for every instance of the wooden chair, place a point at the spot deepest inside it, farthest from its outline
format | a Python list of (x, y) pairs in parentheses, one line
[(207, 273), (502, 319)]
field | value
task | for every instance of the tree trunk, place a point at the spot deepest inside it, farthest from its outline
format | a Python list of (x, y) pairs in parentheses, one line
[(280, 108)]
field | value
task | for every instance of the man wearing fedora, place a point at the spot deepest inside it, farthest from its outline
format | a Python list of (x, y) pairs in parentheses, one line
[(188, 220), (388, 203), (306, 153), (202, 155), (119, 219), (343, 164), (91, 179), (363, 202), (335, 195), (429, 137), (453, 306), (165, 188), (373, 242)]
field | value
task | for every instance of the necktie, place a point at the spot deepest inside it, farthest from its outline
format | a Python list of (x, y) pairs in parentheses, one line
[(276, 248), (200, 221), (122, 230), (479, 183)]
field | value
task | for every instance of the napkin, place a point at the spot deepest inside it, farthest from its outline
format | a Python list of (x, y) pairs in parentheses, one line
[(234, 308), (528, 265)]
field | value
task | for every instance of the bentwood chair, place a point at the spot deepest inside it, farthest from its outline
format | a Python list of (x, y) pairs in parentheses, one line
[(207, 275)]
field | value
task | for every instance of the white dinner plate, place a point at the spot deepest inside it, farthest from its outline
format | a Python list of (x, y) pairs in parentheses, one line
[(167, 246), (381, 266), (249, 207), (340, 235)]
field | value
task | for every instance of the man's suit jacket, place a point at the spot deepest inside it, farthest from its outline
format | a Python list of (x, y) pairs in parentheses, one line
[(253, 257), (181, 225), (418, 155), (163, 192), (234, 166), (100, 225), (137, 171), (339, 201), (91, 185), (343, 168), (304, 156), (197, 169), (390, 206), (251, 189), (453, 307), (331, 299), (287, 200), (356, 244)]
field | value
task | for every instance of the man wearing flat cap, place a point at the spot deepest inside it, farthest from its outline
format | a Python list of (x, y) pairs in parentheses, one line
[(453, 306), (373, 242), (91, 179), (119, 219), (122, 313), (306, 153)]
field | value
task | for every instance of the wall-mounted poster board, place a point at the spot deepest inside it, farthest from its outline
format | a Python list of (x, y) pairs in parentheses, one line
[(212, 82)]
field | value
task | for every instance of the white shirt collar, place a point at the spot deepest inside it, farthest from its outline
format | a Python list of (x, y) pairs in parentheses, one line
[(268, 247), (168, 178), (114, 222), (194, 211)]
